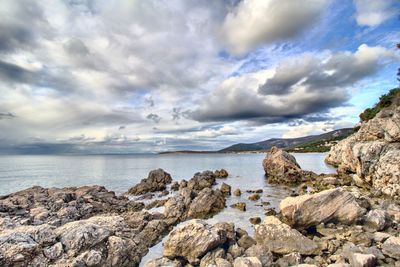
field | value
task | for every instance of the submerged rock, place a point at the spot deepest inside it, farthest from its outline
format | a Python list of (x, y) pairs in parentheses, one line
[(281, 167), (225, 189), (334, 205), (240, 206), (221, 173), (157, 180), (237, 192)]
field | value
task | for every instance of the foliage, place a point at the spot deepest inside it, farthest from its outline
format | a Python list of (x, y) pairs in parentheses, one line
[(384, 101)]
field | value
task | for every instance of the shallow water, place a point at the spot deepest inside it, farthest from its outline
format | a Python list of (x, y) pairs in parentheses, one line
[(119, 172)]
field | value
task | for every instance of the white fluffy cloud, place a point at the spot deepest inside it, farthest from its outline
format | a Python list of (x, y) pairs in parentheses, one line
[(374, 12), (254, 22)]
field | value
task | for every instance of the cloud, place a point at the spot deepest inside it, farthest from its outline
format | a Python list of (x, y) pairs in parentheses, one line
[(374, 12), (318, 74), (154, 117), (254, 22), (6, 115), (297, 88)]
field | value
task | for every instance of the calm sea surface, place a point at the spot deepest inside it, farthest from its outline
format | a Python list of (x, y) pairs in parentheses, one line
[(118, 173)]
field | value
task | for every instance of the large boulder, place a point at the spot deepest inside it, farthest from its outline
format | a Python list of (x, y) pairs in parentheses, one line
[(334, 205), (206, 203), (373, 152), (157, 180), (391, 247), (281, 167), (280, 238), (193, 240)]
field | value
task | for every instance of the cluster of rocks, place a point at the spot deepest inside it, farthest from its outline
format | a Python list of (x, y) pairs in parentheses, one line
[(330, 228), (91, 226), (372, 154)]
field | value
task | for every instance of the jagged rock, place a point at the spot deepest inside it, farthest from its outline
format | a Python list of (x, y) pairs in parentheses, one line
[(265, 256), (247, 262), (391, 247), (373, 152), (237, 192), (279, 238), (240, 206), (175, 186), (157, 180), (38, 205), (225, 189), (377, 219), (210, 258), (362, 260), (281, 167), (206, 203), (221, 173), (193, 240), (246, 242), (201, 180), (254, 197), (222, 263), (326, 206)]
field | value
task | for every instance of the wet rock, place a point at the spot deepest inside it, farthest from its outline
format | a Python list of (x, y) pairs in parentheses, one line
[(376, 219), (201, 180), (281, 167), (225, 189), (192, 240), (157, 180), (175, 186), (221, 173), (281, 239), (240, 206), (391, 247), (265, 256), (247, 262), (254, 197), (258, 191), (255, 220), (206, 203), (237, 192), (334, 205), (362, 260)]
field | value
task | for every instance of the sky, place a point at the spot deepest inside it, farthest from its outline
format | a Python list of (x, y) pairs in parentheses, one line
[(134, 76)]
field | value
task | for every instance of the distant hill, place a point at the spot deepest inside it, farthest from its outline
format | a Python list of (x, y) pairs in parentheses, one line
[(312, 143)]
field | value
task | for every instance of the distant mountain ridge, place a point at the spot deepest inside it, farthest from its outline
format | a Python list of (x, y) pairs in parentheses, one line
[(317, 143)]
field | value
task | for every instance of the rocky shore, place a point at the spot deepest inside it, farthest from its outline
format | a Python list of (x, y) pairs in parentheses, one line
[(351, 218)]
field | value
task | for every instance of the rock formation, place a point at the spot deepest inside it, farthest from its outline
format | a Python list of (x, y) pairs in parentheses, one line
[(373, 152), (157, 180), (334, 205), (282, 168)]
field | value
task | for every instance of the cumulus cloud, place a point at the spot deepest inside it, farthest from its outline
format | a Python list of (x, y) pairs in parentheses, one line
[(154, 117), (374, 12), (297, 88), (254, 22)]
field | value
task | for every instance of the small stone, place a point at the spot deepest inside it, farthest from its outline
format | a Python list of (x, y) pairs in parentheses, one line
[(246, 241), (221, 173), (240, 206), (225, 189), (237, 192), (254, 197), (255, 220)]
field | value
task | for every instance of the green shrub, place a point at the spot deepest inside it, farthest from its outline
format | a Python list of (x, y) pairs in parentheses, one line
[(384, 101)]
